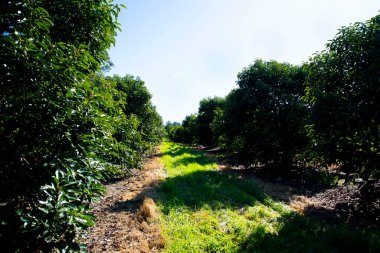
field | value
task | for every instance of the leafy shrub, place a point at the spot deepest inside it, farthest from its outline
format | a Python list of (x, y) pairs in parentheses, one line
[(63, 128), (176, 132), (198, 128), (263, 119), (138, 103), (207, 113), (343, 93)]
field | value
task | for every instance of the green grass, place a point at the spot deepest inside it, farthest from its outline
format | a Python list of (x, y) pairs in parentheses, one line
[(204, 210)]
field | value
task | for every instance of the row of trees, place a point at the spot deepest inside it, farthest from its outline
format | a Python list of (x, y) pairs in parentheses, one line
[(64, 127), (197, 128), (323, 112)]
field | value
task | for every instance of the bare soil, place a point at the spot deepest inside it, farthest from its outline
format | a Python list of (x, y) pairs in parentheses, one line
[(126, 217)]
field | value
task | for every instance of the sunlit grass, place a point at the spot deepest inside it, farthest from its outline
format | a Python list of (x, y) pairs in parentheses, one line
[(181, 160), (205, 210)]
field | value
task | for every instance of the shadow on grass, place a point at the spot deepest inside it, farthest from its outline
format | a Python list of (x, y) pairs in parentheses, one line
[(219, 190), (193, 156), (181, 150), (224, 190), (196, 159), (301, 234), (212, 188), (296, 233)]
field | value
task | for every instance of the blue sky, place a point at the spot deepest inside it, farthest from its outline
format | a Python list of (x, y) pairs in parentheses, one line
[(186, 50)]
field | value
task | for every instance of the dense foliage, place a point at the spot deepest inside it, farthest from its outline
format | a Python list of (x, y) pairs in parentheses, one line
[(63, 128), (263, 119), (324, 112), (198, 128), (207, 113), (139, 104), (343, 92)]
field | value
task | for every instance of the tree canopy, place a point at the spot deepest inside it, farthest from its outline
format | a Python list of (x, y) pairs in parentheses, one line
[(263, 118), (343, 93)]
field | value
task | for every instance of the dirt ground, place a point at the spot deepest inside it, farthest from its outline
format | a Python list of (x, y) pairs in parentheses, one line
[(126, 217)]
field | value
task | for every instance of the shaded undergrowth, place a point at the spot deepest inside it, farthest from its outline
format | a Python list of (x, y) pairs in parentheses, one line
[(206, 210)]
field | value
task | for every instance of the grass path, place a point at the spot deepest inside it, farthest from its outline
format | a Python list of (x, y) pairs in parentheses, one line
[(206, 210), (182, 202)]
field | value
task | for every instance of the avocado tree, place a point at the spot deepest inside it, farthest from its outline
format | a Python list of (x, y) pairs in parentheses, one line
[(138, 104), (263, 119), (51, 119), (343, 93), (207, 112), (190, 128)]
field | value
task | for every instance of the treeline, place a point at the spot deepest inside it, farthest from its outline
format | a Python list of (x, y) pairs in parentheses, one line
[(325, 112), (64, 127)]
